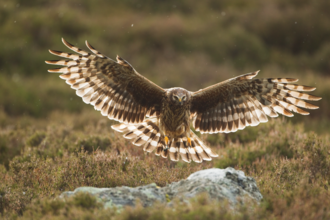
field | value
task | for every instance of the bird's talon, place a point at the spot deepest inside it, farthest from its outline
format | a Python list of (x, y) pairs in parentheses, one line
[(189, 141), (166, 143), (166, 140)]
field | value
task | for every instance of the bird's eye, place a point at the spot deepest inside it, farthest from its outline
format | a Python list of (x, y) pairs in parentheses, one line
[(184, 98)]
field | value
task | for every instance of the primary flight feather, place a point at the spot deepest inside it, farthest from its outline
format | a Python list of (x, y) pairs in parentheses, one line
[(159, 119)]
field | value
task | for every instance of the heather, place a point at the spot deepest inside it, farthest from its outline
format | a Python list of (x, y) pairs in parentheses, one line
[(50, 141)]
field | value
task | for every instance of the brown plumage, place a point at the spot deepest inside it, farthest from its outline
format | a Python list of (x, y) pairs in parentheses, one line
[(159, 119)]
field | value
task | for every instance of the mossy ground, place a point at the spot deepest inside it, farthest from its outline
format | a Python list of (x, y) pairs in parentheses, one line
[(50, 141)]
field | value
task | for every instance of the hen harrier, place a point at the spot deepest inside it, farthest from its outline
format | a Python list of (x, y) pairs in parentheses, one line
[(159, 119)]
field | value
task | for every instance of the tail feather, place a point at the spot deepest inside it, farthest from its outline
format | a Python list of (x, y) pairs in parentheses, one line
[(147, 134), (159, 149), (164, 153), (174, 149)]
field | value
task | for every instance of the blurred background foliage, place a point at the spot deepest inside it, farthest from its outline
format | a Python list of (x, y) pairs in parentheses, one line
[(172, 43)]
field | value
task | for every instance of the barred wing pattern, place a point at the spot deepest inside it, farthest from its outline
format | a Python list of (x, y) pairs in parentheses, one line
[(243, 101), (147, 134), (114, 88)]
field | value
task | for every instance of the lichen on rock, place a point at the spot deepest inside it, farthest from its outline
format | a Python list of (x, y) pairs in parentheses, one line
[(218, 184)]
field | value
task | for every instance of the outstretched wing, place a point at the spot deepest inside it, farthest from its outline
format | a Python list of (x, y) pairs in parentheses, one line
[(243, 101), (114, 88)]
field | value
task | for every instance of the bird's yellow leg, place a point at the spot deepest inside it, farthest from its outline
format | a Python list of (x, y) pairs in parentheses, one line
[(189, 141), (163, 132), (187, 128), (166, 142)]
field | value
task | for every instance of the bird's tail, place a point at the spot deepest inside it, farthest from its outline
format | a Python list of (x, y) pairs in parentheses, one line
[(147, 134)]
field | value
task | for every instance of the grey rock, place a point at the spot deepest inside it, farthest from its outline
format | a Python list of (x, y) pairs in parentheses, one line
[(219, 184), (122, 196)]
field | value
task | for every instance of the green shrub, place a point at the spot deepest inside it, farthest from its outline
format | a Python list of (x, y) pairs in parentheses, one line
[(321, 59), (35, 139), (81, 206), (94, 143)]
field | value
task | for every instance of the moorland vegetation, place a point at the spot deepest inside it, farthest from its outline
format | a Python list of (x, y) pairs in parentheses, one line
[(50, 141)]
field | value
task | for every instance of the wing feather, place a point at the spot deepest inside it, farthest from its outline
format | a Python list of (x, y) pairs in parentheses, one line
[(244, 101), (113, 87)]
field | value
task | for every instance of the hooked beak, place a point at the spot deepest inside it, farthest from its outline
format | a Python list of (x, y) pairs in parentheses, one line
[(180, 101)]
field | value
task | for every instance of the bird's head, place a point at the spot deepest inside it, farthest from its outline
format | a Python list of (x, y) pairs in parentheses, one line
[(179, 96)]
